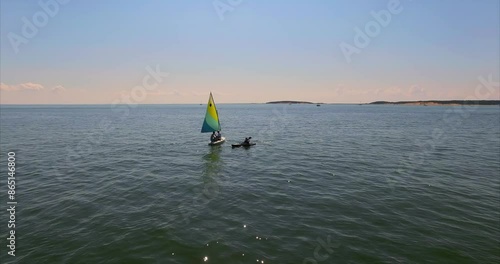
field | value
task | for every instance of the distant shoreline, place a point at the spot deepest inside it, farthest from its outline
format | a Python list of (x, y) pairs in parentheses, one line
[(438, 102), (291, 102)]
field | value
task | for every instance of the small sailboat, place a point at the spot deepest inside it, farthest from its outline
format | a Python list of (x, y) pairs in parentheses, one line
[(211, 122)]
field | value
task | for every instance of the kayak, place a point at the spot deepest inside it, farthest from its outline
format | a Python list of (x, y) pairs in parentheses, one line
[(218, 142), (242, 145)]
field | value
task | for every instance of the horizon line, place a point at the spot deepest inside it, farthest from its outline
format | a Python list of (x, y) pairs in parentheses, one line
[(269, 102)]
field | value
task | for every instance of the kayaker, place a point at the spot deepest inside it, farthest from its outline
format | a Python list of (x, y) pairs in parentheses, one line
[(247, 141)]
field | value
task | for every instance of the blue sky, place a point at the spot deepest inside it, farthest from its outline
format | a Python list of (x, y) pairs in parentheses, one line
[(97, 51)]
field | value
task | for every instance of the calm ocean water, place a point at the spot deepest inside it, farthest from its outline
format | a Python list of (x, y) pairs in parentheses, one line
[(329, 184)]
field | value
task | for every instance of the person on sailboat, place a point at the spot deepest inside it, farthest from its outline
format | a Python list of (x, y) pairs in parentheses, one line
[(218, 136), (213, 137)]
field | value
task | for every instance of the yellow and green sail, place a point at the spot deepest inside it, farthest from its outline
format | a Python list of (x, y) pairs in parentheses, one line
[(211, 122)]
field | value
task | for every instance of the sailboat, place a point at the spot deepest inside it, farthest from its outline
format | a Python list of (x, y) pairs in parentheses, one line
[(211, 122)]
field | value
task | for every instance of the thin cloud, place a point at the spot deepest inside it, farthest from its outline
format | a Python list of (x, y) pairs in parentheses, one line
[(58, 89), (166, 93), (219, 93), (196, 93), (22, 86)]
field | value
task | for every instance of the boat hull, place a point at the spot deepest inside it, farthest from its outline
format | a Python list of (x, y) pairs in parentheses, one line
[(218, 142), (242, 145)]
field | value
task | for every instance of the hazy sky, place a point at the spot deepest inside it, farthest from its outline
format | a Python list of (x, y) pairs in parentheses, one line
[(243, 51)]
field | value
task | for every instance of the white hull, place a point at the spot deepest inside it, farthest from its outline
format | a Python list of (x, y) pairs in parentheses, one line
[(218, 142)]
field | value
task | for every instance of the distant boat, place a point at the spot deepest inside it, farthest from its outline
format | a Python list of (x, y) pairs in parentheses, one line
[(318, 105), (242, 145), (211, 122)]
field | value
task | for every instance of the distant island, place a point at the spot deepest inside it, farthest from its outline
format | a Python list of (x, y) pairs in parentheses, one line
[(291, 102), (438, 102)]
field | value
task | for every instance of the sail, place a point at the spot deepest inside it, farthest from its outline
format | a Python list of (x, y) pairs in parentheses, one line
[(211, 122)]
